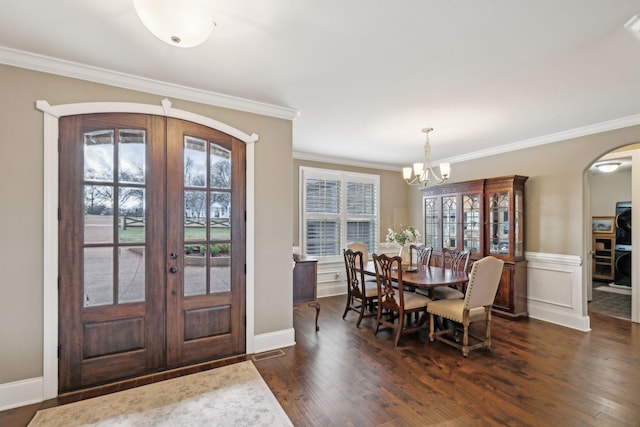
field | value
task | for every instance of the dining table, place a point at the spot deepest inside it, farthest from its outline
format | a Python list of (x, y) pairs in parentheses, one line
[(428, 277)]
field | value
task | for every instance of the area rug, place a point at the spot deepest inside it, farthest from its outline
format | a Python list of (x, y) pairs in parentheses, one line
[(233, 395), (613, 290)]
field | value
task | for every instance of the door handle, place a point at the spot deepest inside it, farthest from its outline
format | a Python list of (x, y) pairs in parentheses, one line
[(173, 270)]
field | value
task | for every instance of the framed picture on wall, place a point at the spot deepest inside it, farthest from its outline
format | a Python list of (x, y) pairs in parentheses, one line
[(602, 224)]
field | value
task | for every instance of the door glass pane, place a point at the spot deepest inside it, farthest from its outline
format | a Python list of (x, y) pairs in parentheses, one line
[(131, 156), (195, 271), (98, 276), (195, 215), (132, 214), (98, 156), (195, 162), (207, 217), (131, 274), (98, 214), (220, 223), (220, 268), (220, 167)]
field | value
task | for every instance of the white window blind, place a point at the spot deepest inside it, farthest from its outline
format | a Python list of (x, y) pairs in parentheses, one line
[(337, 207)]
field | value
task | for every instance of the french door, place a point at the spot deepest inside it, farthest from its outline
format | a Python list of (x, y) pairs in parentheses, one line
[(152, 246)]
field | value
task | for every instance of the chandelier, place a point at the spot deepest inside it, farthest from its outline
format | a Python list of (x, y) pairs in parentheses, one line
[(419, 174)]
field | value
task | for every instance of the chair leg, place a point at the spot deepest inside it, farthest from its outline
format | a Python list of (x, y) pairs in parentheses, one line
[(363, 306), (346, 309), (400, 326), (465, 340), (431, 328), (488, 328), (375, 331)]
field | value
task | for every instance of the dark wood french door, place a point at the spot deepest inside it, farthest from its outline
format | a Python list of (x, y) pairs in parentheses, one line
[(152, 246)]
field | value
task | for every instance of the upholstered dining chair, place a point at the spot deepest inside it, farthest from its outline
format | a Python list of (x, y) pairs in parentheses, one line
[(476, 306), (360, 293), (454, 259), (360, 246), (392, 300), (422, 256)]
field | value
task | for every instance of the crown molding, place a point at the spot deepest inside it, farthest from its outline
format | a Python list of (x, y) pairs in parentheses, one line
[(76, 70), (297, 155), (610, 125)]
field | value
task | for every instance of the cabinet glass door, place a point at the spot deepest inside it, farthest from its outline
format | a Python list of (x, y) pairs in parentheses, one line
[(449, 221), (431, 222), (499, 223), (471, 222), (519, 223)]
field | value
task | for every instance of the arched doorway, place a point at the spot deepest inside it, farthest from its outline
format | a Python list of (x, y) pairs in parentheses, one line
[(50, 223), (612, 288)]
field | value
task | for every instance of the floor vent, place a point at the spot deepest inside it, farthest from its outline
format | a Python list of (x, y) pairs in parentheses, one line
[(267, 355)]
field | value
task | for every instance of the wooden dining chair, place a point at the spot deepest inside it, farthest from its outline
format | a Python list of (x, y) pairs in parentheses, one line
[(422, 255), (476, 306), (360, 293), (362, 247), (455, 259), (400, 304)]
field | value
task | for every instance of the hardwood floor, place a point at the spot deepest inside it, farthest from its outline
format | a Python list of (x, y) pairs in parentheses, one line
[(535, 374)]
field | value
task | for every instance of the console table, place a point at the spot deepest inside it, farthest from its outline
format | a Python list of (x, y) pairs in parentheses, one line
[(305, 283)]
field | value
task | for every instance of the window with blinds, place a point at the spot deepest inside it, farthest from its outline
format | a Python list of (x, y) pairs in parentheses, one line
[(337, 207)]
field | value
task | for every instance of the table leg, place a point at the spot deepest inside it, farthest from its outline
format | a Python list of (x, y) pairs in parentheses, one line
[(316, 305)]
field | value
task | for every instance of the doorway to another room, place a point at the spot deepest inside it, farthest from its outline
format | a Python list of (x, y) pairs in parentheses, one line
[(611, 195)]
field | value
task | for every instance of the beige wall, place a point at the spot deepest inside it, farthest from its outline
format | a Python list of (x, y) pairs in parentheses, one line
[(608, 189), (393, 196), (21, 212)]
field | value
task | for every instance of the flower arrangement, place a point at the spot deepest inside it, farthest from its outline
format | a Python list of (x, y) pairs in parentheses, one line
[(402, 237)]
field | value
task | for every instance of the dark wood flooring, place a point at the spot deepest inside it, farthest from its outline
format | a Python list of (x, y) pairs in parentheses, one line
[(536, 374)]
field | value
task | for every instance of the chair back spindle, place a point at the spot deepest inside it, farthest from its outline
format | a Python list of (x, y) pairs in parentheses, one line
[(422, 255)]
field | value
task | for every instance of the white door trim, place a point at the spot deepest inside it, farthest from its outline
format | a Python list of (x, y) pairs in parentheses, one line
[(50, 220)]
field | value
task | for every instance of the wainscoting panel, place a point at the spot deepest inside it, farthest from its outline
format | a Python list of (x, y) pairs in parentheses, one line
[(331, 279), (554, 290)]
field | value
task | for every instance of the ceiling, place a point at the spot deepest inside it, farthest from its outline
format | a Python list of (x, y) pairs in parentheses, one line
[(366, 76)]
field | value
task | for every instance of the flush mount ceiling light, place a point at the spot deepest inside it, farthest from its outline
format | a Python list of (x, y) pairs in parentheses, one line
[(182, 23), (608, 166), (419, 174)]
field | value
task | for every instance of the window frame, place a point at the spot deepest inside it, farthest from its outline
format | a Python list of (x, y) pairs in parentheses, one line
[(307, 172)]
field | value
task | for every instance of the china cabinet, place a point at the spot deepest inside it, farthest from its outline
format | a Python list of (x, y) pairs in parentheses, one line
[(485, 217)]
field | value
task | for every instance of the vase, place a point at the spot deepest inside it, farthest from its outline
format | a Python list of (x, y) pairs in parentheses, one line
[(405, 255)]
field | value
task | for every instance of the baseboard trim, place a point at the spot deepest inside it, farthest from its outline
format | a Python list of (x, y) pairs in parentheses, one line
[(544, 313), (274, 340), (21, 393)]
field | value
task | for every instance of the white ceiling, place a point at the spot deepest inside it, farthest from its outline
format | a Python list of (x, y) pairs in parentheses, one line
[(367, 75)]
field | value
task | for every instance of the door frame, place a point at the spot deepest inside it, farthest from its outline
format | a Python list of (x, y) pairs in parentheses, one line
[(50, 220)]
